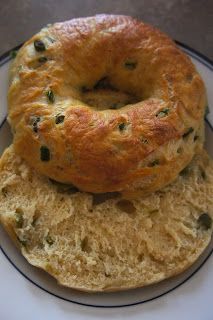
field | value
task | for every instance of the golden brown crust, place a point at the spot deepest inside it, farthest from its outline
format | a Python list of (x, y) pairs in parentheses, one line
[(107, 150)]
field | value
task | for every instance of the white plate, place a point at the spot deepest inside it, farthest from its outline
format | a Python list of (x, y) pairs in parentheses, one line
[(29, 293)]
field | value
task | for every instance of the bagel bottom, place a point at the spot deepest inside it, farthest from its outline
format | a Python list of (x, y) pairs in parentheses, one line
[(97, 243)]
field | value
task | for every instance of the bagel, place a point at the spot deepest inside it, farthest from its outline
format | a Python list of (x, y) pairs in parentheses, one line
[(90, 244), (106, 103)]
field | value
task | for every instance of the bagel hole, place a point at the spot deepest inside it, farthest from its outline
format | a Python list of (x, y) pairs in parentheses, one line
[(103, 95), (104, 83)]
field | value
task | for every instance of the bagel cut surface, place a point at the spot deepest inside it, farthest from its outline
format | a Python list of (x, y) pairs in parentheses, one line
[(96, 243), (106, 103)]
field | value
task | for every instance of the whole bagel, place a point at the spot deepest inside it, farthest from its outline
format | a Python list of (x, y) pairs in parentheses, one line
[(106, 103)]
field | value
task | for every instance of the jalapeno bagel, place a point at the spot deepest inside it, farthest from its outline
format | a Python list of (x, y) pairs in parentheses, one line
[(92, 243), (106, 103)]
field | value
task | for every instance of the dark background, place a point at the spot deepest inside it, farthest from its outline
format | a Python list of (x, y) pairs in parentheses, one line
[(189, 21)]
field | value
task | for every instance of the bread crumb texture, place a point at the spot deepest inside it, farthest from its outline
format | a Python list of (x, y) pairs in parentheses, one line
[(105, 242)]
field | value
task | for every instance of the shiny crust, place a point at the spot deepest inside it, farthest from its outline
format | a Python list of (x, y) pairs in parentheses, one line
[(89, 149)]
